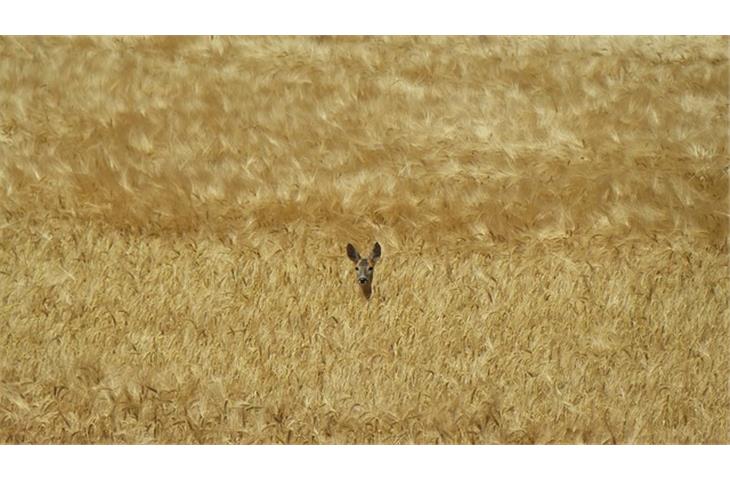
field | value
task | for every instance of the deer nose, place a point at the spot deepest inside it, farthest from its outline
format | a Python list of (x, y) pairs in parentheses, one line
[(363, 280)]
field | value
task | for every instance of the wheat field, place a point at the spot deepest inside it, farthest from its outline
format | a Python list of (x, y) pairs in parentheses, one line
[(553, 215)]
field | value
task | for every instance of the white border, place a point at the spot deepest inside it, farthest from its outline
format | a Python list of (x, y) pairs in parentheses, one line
[(358, 462), (374, 17)]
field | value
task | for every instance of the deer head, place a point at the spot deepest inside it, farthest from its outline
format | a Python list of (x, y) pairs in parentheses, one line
[(364, 267)]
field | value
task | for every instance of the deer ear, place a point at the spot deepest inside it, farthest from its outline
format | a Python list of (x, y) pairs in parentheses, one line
[(375, 256), (352, 253)]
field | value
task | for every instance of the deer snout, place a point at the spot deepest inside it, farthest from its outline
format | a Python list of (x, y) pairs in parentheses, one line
[(362, 280)]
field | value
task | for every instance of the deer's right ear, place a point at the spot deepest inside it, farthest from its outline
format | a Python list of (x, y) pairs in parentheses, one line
[(352, 253), (375, 256)]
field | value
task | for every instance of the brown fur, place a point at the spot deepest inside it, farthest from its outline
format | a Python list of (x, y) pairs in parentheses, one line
[(364, 267)]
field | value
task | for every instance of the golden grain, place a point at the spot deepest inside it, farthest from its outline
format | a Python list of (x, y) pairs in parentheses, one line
[(553, 214)]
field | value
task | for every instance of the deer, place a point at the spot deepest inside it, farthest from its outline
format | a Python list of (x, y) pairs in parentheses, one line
[(364, 267)]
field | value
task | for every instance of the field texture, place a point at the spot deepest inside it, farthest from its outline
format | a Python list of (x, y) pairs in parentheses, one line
[(553, 215)]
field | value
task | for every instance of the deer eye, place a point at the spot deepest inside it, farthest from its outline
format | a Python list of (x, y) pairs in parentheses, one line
[(370, 269)]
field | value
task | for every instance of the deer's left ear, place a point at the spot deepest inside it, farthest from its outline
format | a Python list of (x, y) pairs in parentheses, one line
[(352, 253), (375, 256)]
